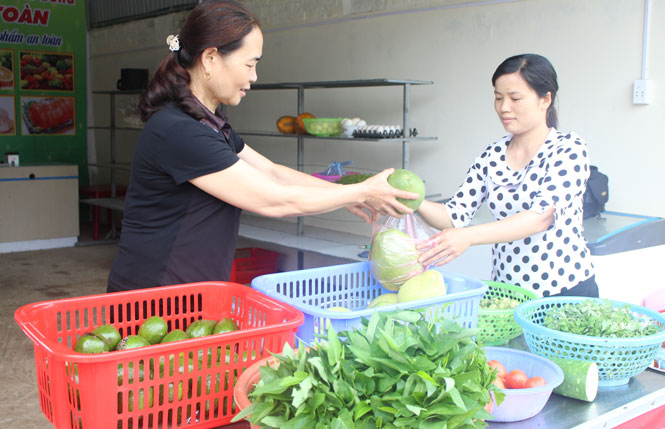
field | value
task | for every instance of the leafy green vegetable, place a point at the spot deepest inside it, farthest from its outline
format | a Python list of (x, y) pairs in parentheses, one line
[(397, 371), (599, 318), (499, 303), (350, 179)]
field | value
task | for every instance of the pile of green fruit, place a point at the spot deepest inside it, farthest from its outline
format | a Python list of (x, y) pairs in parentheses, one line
[(154, 330)]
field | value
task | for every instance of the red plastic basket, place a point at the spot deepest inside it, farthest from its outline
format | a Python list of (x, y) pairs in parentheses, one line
[(251, 262), (183, 383)]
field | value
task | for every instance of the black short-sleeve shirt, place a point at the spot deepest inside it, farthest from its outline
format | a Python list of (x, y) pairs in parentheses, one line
[(173, 232)]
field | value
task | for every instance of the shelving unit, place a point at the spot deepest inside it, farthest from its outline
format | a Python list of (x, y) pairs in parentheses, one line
[(319, 240), (114, 202), (300, 87)]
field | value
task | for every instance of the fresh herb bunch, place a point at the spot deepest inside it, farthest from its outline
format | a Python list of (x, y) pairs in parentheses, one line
[(599, 318), (397, 371), (499, 303), (350, 179)]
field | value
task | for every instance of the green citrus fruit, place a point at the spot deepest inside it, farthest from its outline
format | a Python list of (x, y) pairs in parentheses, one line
[(90, 343), (340, 309), (127, 373), (142, 400), (132, 342), (153, 329), (225, 325), (171, 398), (383, 299), (109, 334), (174, 335), (201, 328), (407, 180)]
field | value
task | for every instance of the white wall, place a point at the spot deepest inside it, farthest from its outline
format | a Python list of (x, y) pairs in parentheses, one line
[(595, 45)]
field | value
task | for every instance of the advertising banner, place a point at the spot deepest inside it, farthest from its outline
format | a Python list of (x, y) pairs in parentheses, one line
[(43, 81)]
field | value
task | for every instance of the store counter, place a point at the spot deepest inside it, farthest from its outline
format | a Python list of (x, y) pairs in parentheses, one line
[(628, 253), (39, 207), (643, 395)]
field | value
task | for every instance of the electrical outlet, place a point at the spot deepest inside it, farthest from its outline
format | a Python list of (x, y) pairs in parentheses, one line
[(641, 92)]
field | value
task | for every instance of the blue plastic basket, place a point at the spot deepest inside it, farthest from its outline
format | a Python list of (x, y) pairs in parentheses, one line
[(352, 286), (618, 359), (521, 404)]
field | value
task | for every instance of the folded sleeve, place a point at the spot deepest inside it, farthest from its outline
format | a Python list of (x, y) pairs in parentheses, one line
[(567, 171), (470, 195)]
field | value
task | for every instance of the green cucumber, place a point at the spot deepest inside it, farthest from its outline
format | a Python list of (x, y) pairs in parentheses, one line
[(580, 379)]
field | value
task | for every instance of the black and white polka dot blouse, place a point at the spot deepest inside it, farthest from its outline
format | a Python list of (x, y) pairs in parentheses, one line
[(551, 261)]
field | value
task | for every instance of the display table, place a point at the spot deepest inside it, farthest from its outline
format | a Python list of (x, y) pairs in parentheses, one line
[(613, 406), (641, 398), (39, 208)]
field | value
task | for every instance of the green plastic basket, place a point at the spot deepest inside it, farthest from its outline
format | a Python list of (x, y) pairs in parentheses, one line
[(499, 326)]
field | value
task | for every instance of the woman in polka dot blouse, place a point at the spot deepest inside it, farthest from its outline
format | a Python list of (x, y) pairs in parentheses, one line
[(533, 181)]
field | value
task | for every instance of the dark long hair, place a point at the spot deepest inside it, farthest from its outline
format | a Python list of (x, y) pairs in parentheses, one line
[(538, 73), (219, 23)]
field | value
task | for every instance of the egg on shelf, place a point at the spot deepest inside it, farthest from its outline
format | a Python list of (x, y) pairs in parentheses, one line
[(378, 131)]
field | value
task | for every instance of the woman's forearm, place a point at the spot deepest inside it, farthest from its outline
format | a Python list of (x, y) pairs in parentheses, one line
[(245, 187), (512, 228), (435, 214), (289, 176), (279, 173)]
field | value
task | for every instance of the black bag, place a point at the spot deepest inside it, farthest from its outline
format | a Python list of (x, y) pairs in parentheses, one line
[(596, 195)]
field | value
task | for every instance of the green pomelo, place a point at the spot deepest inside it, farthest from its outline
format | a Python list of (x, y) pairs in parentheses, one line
[(393, 258), (429, 284), (153, 329), (132, 342), (109, 334), (90, 343), (174, 335), (201, 328), (407, 180), (383, 299), (225, 325)]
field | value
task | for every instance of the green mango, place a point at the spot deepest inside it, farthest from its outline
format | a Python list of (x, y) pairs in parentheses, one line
[(201, 328)]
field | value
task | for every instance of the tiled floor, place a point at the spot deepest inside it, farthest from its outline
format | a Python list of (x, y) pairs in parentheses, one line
[(28, 277), (25, 278)]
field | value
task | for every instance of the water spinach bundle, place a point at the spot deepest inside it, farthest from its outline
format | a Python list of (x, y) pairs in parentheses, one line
[(600, 318), (397, 371)]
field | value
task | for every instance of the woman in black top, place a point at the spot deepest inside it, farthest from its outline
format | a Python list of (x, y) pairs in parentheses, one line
[(192, 174)]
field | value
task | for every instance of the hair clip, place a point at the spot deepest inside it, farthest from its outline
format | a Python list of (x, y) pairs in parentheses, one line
[(173, 42)]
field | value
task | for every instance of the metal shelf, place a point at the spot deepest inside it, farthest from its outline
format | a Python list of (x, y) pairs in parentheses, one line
[(358, 83), (307, 136), (106, 127), (125, 166), (118, 92)]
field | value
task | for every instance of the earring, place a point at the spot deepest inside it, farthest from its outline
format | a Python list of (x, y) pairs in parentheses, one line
[(207, 76)]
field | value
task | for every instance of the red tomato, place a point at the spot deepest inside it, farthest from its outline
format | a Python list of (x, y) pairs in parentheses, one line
[(496, 365), (515, 379), (536, 381), (499, 383)]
